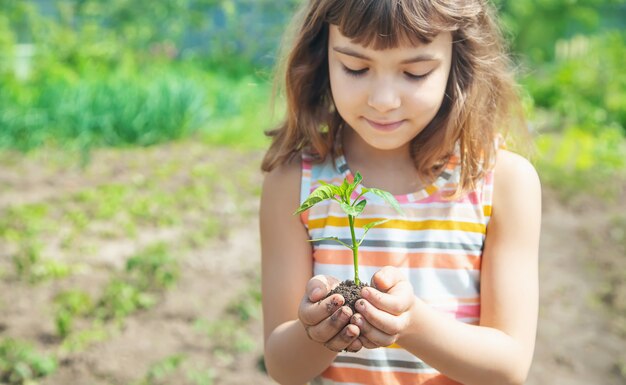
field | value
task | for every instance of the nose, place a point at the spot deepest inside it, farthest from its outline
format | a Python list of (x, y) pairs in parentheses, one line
[(384, 96)]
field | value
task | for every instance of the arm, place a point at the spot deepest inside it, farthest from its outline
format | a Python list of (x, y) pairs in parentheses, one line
[(499, 350), (292, 356)]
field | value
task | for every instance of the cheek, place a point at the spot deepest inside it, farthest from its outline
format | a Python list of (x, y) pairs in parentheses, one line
[(424, 101), (343, 91), (430, 96)]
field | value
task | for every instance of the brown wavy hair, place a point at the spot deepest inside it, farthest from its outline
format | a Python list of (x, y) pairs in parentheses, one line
[(481, 99)]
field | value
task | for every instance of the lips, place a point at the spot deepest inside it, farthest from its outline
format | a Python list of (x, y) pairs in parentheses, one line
[(384, 125)]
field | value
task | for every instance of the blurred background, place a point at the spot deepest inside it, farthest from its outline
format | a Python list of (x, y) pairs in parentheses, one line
[(131, 134)]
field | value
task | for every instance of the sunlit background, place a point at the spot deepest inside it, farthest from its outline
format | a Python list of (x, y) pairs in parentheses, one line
[(131, 133)]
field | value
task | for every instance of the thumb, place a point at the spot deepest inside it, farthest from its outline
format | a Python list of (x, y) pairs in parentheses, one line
[(319, 286), (386, 278)]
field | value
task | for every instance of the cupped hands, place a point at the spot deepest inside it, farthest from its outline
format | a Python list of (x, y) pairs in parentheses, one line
[(383, 313)]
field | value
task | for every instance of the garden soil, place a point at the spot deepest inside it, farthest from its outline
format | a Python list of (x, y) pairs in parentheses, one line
[(579, 340)]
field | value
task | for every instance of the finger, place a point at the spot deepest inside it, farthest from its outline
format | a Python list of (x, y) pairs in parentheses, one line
[(379, 319), (342, 340), (367, 343), (331, 326), (387, 277), (355, 346), (312, 313), (319, 286), (370, 336), (396, 301)]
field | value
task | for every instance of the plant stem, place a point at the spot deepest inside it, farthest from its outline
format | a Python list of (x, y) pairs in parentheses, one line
[(355, 251)]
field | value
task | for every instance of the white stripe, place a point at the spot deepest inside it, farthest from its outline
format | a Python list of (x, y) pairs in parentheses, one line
[(382, 369), (384, 354)]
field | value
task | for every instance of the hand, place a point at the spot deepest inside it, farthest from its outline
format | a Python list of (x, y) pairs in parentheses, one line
[(384, 312), (326, 320)]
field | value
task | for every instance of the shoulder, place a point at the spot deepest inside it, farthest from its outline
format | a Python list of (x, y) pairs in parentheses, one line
[(517, 187), (284, 176), (513, 172)]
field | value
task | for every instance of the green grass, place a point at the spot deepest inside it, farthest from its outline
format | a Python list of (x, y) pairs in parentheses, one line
[(21, 364), (241, 118), (133, 109), (111, 110), (576, 161)]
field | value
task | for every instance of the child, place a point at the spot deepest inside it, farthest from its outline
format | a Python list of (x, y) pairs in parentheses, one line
[(413, 94)]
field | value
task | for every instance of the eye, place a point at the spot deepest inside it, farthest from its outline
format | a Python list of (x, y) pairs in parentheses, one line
[(355, 73), (417, 77)]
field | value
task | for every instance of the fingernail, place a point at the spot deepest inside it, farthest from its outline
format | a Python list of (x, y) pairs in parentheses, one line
[(361, 305), (315, 293), (350, 333), (365, 293), (358, 321)]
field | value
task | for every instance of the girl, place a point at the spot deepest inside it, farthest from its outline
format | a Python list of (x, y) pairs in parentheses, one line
[(413, 94)]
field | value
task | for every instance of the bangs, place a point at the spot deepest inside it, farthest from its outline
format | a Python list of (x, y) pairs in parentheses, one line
[(384, 24)]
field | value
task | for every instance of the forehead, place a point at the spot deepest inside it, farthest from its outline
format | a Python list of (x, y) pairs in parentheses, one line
[(440, 45)]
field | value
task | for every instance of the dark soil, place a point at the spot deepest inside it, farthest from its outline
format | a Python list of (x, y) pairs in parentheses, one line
[(350, 291)]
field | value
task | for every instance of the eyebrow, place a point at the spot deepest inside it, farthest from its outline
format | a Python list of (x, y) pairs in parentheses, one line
[(415, 59)]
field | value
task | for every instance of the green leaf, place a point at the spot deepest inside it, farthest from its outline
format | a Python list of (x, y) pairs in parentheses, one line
[(360, 206), (353, 210), (346, 190), (357, 179), (320, 194), (368, 226), (387, 197), (331, 239), (335, 189)]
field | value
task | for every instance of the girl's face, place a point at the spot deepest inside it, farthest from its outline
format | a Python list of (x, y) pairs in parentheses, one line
[(388, 96)]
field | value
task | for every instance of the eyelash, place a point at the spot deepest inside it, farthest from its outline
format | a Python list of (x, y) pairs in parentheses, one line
[(361, 72)]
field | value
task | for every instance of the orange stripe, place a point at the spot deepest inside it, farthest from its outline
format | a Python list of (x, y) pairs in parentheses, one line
[(386, 258), (431, 189), (399, 224), (304, 217), (366, 377)]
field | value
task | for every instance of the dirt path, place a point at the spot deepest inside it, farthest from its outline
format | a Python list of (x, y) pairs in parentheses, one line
[(577, 339), (576, 344)]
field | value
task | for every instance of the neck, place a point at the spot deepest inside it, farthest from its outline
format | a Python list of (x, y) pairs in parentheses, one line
[(358, 152), (391, 170)]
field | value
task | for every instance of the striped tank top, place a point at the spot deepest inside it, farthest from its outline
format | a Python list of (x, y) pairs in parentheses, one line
[(437, 243)]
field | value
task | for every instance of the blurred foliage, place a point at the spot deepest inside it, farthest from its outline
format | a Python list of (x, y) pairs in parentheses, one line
[(536, 25), (107, 33), (153, 269), (21, 364), (576, 160), (585, 86), (109, 109), (69, 305), (122, 72)]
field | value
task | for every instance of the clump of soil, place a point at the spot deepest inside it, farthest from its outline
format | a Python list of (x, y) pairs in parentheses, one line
[(350, 291)]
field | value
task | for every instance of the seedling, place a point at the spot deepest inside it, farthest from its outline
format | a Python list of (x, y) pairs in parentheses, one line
[(353, 208)]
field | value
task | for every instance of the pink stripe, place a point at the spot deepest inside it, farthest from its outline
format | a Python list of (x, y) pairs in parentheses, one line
[(460, 311), (468, 311), (439, 197), (402, 199)]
